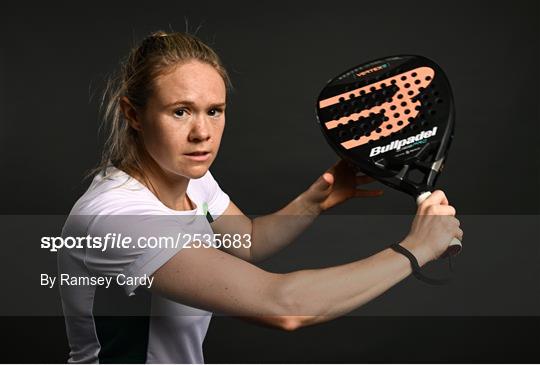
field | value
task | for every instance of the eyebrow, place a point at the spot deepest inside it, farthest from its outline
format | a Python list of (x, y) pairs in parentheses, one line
[(191, 103)]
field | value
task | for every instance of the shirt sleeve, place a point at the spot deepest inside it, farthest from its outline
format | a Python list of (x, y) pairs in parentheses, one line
[(153, 240), (217, 199)]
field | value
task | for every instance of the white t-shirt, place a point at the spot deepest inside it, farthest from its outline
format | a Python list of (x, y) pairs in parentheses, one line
[(126, 322)]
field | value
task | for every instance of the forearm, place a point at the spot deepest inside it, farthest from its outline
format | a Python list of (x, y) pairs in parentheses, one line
[(273, 232), (209, 279), (315, 296)]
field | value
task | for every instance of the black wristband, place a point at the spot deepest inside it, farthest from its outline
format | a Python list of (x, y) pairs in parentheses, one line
[(416, 271)]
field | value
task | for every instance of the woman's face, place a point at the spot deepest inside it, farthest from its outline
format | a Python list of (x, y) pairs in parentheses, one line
[(183, 121)]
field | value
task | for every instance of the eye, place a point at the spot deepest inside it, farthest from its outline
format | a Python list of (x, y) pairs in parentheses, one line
[(180, 113), (215, 112)]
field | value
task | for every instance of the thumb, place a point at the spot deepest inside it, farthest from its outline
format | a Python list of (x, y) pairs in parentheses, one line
[(325, 181)]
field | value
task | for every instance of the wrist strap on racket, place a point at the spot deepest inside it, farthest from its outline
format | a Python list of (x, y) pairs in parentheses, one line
[(416, 270)]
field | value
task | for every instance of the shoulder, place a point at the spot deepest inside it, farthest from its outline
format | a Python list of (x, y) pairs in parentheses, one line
[(116, 193)]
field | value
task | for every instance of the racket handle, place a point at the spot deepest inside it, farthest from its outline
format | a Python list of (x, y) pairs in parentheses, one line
[(455, 245), (422, 197)]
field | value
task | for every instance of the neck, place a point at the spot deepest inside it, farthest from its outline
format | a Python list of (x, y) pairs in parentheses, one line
[(169, 188)]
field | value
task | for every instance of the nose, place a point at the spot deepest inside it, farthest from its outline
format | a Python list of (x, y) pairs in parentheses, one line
[(200, 130)]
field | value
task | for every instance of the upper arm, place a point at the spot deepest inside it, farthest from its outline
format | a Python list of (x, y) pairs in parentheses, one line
[(233, 222), (213, 280)]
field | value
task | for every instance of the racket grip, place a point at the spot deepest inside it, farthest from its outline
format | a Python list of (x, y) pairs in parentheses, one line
[(455, 245)]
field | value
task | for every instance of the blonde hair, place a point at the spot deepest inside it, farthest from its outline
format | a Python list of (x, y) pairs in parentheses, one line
[(154, 56)]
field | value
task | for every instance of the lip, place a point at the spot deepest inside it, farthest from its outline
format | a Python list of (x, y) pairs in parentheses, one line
[(201, 156)]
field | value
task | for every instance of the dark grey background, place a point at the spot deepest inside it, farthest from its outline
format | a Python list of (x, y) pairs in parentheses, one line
[(55, 57)]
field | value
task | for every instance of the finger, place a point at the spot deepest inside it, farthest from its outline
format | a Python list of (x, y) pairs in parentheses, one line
[(368, 193), (440, 197), (436, 198), (442, 210), (453, 223), (459, 234), (322, 184), (334, 167), (446, 210), (364, 179), (325, 181)]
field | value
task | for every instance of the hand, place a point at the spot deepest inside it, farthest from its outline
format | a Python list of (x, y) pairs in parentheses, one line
[(336, 185), (433, 228)]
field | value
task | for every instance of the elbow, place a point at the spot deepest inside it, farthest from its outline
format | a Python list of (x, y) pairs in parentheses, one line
[(289, 310), (292, 323), (289, 323), (282, 323), (285, 308)]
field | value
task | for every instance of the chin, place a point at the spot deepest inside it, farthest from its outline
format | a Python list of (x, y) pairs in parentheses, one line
[(195, 172)]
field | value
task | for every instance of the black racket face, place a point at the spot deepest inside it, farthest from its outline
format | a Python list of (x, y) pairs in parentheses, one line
[(391, 118)]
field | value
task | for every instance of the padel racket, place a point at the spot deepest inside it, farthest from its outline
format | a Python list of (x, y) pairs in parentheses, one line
[(393, 119)]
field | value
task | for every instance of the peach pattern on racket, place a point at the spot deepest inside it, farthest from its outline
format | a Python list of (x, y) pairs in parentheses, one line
[(396, 112)]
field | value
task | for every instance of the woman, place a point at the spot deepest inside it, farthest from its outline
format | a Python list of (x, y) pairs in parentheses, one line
[(167, 118)]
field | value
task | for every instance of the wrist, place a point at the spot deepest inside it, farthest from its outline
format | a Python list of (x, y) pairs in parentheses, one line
[(416, 266), (420, 252)]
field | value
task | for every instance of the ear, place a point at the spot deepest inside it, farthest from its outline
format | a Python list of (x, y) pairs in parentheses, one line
[(130, 113)]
